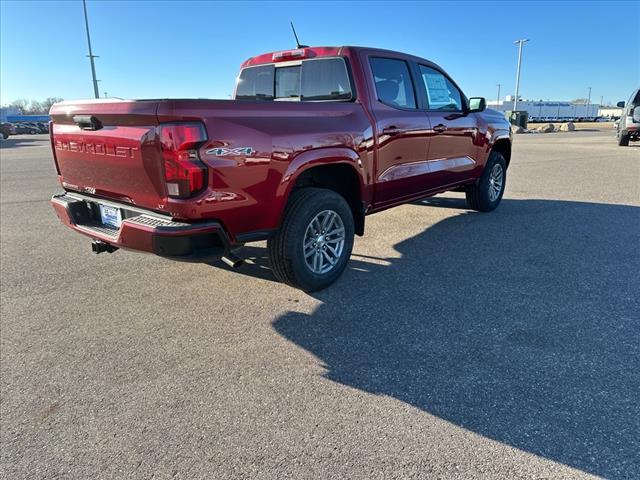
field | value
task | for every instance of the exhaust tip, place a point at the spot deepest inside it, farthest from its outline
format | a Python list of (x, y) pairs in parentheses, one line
[(232, 260)]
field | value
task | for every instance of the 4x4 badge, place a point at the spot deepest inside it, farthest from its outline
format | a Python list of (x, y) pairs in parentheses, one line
[(222, 151)]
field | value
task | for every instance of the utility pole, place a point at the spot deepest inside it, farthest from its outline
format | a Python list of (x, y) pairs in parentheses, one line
[(91, 55), (498, 100), (601, 103), (520, 43)]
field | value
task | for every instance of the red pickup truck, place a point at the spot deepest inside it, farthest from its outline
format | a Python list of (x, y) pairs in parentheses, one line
[(314, 140)]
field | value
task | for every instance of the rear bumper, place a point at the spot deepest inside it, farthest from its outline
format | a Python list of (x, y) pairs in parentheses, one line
[(143, 230), (632, 130)]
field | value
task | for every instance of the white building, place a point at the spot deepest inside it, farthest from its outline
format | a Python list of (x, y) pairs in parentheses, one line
[(610, 112), (550, 111)]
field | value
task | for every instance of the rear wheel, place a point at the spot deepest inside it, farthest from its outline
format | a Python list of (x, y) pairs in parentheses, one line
[(623, 140), (5, 135), (485, 195), (314, 243)]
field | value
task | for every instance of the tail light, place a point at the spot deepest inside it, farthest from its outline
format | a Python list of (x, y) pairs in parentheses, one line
[(184, 173), (53, 148)]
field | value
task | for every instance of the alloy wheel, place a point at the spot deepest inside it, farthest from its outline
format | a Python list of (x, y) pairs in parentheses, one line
[(496, 181), (323, 242)]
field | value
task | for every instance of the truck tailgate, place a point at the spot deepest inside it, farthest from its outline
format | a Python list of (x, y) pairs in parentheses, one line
[(109, 148)]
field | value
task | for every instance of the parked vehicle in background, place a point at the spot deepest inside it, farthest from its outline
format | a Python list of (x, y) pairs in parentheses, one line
[(628, 127), (314, 140), (6, 130), (40, 126), (37, 126), (22, 128)]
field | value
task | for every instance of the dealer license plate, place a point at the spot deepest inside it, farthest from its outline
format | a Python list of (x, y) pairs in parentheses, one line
[(110, 216)]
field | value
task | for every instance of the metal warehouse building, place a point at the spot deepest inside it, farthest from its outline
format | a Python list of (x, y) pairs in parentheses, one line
[(551, 111)]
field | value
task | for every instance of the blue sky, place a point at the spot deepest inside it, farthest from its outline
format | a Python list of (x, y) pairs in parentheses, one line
[(151, 49)]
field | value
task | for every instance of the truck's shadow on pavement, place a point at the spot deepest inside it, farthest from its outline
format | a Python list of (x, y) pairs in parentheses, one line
[(21, 141), (522, 325)]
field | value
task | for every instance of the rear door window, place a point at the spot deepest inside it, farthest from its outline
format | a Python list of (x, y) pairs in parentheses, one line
[(393, 82), (311, 80)]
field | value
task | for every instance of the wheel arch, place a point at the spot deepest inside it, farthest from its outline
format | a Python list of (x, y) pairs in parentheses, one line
[(502, 145), (338, 169)]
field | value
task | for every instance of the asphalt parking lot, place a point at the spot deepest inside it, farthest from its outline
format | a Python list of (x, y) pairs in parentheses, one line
[(456, 345)]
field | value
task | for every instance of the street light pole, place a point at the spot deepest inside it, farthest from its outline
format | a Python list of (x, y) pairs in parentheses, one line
[(498, 99), (91, 55), (520, 43)]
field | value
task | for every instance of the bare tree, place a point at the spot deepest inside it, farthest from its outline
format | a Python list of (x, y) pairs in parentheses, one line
[(46, 104), (34, 107), (21, 104)]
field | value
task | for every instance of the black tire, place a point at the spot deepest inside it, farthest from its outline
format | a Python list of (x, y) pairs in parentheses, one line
[(5, 135), (623, 140), (478, 194), (286, 249)]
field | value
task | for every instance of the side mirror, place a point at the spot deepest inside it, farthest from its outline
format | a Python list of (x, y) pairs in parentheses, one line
[(620, 104), (477, 104)]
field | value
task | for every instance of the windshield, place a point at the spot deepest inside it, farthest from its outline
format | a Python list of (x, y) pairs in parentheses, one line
[(312, 80)]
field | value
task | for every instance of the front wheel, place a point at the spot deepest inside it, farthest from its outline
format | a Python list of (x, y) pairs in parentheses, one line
[(314, 243), (485, 195)]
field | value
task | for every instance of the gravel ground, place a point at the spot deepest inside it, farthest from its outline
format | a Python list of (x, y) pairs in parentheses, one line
[(456, 345)]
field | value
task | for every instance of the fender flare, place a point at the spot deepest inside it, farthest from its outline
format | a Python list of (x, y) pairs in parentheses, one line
[(499, 135), (318, 157), (315, 158)]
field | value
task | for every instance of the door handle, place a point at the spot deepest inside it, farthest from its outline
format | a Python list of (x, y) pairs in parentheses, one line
[(392, 130), (440, 128)]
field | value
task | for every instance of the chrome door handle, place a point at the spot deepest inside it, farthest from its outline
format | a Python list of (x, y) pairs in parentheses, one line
[(440, 128), (392, 130)]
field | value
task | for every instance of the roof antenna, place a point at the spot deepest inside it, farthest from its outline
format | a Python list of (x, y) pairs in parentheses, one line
[(296, 36)]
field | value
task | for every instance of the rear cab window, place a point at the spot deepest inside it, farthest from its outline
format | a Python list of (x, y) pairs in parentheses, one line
[(256, 83), (322, 79)]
